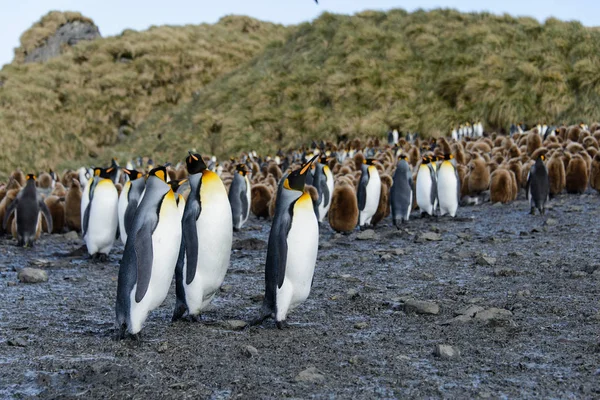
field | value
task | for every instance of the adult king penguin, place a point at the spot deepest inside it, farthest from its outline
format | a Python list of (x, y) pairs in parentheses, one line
[(150, 255), (448, 186), (402, 192), (292, 249), (323, 182), (27, 207), (369, 190), (426, 187), (99, 214), (128, 201), (240, 197), (207, 236), (538, 185)]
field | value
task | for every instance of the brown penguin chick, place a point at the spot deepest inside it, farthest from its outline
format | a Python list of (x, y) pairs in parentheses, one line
[(574, 148), (573, 133), (515, 186), (516, 167), (534, 142), (459, 153), (56, 206), (582, 136), (181, 173), (359, 159), (592, 151), (274, 170), (414, 155), (501, 186), (171, 172), (479, 176), (44, 181), (19, 176), (595, 173), (343, 212), (590, 141), (492, 166), (344, 171), (525, 172), (59, 190), (11, 194), (260, 198), (444, 146), (482, 147), (73, 206), (577, 175), (383, 208), (119, 187)]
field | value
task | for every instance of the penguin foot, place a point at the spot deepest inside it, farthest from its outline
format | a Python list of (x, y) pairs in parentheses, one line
[(120, 333), (258, 321), (180, 309), (282, 324), (543, 211), (532, 212), (137, 337)]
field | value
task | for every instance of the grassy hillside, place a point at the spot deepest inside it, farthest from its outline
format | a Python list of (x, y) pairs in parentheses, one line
[(95, 94), (359, 75)]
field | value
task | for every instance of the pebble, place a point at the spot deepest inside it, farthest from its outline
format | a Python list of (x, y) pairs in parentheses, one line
[(71, 235), (32, 275), (426, 276), (310, 374), (349, 278), (352, 293), (226, 288), (464, 236), (235, 324), (551, 222), (485, 260), (431, 236), (164, 346), (516, 254), (399, 252), (493, 314), (421, 307), (11, 284), (446, 352), (250, 351), (470, 311), (17, 342), (385, 257), (505, 272), (360, 325), (368, 234), (578, 274)]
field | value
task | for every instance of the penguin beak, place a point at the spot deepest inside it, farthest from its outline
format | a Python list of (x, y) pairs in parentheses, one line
[(308, 165), (183, 181), (193, 156), (128, 172)]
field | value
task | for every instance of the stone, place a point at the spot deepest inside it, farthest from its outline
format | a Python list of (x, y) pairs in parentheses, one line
[(17, 342), (578, 274), (426, 276), (470, 311), (32, 275), (360, 325), (516, 254), (399, 252), (163, 347), (505, 272), (9, 284), (250, 351), (349, 278), (551, 222), (421, 307), (485, 260), (446, 352), (431, 236), (464, 236), (493, 315), (226, 288), (235, 324), (71, 235), (368, 234), (310, 374), (352, 293), (385, 257)]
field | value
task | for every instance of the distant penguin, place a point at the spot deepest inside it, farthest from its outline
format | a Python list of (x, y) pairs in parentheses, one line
[(538, 185), (240, 197), (448, 187), (323, 182), (427, 196), (368, 193), (27, 207), (478, 179), (73, 206), (343, 213), (577, 175), (128, 200), (292, 249), (148, 263), (260, 199), (99, 214), (556, 174), (207, 238), (402, 191), (501, 187)]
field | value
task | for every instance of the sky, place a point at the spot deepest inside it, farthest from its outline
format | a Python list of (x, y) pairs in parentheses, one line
[(113, 16)]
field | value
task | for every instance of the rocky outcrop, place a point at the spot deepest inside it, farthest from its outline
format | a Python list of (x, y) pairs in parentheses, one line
[(70, 33)]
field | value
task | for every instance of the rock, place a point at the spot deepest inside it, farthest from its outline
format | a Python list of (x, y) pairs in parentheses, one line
[(32, 275), (399, 252), (164, 346), (234, 324), (326, 245), (360, 325), (368, 234), (310, 375), (485, 260), (431, 236), (249, 244), (578, 274), (523, 293), (250, 351), (226, 288), (349, 278), (71, 235), (68, 34), (516, 254), (385, 257), (352, 293), (505, 272), (551, 222), (446, 352), (9, 284), (493, 315), (17, 342), (356, 360), (421, 307), (470, 311), (464, 236), (426, 276)]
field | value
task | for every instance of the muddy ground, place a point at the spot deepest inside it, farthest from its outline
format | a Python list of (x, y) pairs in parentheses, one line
[(355, 329)]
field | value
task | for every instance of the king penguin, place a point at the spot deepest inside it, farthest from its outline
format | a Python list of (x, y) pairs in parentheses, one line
[(448, 186), (323, 182), (100, 219), (240, 197), (538, 185), (292, 249), (27, 207), (150, 255), (128, 200), (368, 192), (207, 237), (402, 192), (175, 185), (426, 187)]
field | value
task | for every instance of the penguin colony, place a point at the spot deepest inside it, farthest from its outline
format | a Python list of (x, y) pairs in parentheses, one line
[(179, 220)]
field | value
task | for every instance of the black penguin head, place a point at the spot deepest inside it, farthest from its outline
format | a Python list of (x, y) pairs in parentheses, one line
[(369, 161), (175, 184), (31, 177), (296, 179), (194, 163), (402, 157), (542, 157), (133, 174), (159, 172), (425, 160), (241, 169), (448, 157), (102, 172)]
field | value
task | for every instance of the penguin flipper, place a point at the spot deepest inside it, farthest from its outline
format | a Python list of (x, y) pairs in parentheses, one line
[(362, 191), (129, 214), (324, 192), (144, 255), (86, 219), (44, 209), (276, 259), (191, 238), (11, 208)]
